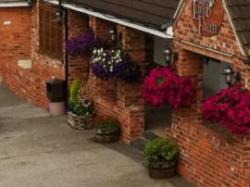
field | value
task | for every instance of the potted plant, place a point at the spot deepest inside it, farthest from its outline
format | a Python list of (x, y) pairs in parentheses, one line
[(108, 131), (114, 63), (161, 156), (81, 110), (105, 62)]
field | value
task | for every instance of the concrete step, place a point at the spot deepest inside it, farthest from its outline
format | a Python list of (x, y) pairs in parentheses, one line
[(150, 136)]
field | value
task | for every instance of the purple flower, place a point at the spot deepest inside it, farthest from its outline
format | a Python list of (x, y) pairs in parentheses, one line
[(82, 44), (129, 70)]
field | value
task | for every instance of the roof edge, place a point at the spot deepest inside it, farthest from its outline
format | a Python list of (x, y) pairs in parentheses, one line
[(111, 18), (234, 29), (14, 4)]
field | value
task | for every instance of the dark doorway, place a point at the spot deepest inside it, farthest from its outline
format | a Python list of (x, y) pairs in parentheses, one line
[(157, 120)]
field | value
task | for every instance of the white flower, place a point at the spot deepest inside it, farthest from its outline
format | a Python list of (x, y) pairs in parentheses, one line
[(111, 68)]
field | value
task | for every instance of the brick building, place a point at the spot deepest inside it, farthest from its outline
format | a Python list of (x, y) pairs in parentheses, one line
[(205, 48), (205, 41)]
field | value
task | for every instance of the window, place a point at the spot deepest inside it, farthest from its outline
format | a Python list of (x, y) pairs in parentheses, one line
[(50, 33), (214, 78)]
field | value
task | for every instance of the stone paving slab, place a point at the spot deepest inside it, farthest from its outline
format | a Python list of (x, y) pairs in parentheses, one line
[(38, 150)]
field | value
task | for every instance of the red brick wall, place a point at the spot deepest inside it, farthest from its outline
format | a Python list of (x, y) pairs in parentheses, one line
[(20, 40), (208, 157), (186, 30), (78, 67), (112, 98)]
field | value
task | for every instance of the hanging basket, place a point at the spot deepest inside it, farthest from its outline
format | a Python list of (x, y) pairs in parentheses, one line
[(80, 122)]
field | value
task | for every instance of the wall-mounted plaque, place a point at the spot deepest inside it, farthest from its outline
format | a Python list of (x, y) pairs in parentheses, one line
[(25, 63), (208, 16)]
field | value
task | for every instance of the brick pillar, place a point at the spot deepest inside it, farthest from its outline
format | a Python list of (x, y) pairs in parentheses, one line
[(189, 64), (105, 89), (129, 94), (78, 67), (244, 71)]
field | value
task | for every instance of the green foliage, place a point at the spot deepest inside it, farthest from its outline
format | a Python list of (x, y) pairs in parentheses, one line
[(161, 149), (109, 123), (80, 106), (80, 110), (74, 92)]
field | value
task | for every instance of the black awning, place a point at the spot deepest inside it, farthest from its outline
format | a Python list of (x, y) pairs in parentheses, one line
[(153, 13)]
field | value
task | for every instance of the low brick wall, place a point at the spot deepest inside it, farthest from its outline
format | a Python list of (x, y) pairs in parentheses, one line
[(209, 157)]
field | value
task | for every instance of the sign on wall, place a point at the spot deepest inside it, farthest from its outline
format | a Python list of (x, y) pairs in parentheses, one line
[(208, 16)]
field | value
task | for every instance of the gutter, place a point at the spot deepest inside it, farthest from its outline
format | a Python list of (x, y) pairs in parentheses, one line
[(167, 34), (14, 4)]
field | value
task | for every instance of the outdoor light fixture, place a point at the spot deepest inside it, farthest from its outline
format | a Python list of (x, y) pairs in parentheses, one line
[(59, 13), (168, 56), (112, 34), (58, 17), (231, 77)]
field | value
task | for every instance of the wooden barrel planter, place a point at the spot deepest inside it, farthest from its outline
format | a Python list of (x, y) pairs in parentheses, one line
[(107, 135), (161, 156), (80, 122), (163, 170)]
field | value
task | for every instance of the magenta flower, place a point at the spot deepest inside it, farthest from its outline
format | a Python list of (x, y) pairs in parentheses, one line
[(229, 108), (163, 86)]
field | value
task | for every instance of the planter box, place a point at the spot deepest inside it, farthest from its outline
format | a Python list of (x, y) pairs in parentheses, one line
[(80, 122), (163, 170), (107, 135)]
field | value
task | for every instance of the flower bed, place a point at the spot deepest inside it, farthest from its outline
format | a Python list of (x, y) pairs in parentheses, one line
[(163, 86), (229, 108)]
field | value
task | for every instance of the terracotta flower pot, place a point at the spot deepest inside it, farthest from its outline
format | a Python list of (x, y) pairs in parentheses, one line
[(163, 170)]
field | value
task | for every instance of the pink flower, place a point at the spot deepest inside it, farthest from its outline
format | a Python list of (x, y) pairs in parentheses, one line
[(229, 108), (164, 86)]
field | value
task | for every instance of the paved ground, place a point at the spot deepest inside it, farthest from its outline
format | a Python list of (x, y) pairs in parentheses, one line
[(37, 150)]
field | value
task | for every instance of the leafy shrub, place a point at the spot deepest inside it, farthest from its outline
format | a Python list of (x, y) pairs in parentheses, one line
[(83, 107), (160, 150), (74, 92), (79, 106)]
